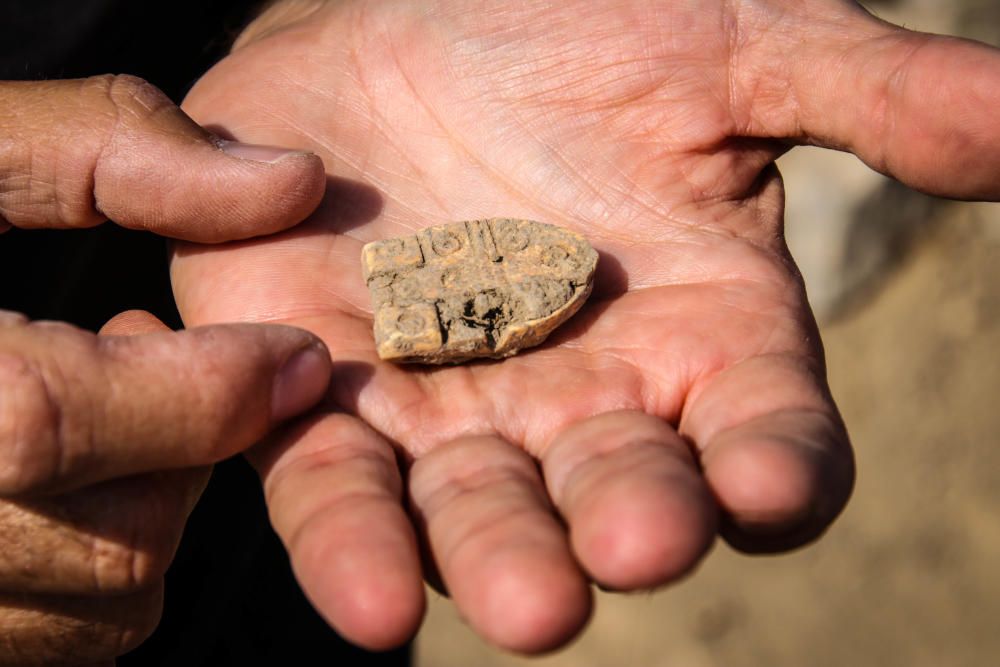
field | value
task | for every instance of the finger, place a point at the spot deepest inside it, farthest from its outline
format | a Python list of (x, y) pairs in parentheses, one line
[(115, 538), (639, 513), (132, 323), (918, 107), (9, 318), (774, 451), (78, 408), (498, 545), (334, 496), (82, 151), (70, 631)]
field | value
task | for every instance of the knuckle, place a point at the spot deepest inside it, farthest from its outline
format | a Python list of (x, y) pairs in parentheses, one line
[(120, 568), (135, 555), (129, 622), (139, 620), (129, 111), (134, 99), (50, 172), (118, 103), (229, 383), (61, 630), (30, 425), (45, 170), (10, 318)]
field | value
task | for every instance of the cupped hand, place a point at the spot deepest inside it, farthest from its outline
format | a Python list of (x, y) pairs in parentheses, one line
[(687, 397), (106, 440)]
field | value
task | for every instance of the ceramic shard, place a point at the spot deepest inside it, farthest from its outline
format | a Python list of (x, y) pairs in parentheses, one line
[(481, 288)]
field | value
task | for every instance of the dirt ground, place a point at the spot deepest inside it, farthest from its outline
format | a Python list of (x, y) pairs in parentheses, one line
[(909, 574)]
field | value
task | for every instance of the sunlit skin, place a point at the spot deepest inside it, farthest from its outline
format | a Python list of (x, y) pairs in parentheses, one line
[(686, 399), (107, 440)]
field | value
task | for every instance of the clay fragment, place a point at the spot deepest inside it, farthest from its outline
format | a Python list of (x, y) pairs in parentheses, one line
[(481, 288)]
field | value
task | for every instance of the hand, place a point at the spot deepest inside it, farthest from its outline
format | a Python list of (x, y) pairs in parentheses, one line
[(106, 441), (688, 395), (78, 152)]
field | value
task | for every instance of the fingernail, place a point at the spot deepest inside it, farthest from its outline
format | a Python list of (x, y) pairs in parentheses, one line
[(256, 153), (301, 382)]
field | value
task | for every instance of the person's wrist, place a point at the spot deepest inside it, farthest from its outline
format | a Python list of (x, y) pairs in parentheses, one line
[(276, 16)]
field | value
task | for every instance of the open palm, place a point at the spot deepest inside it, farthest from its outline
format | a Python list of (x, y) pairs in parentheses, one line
[(689, 393)]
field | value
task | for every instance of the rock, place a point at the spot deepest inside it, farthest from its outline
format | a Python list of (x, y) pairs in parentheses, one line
[(482, 288), (848, 227)]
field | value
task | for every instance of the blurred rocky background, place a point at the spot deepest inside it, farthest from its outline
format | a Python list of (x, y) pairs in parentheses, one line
[(907, 289)]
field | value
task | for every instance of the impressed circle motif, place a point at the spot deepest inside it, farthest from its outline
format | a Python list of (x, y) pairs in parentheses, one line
[(510, 237), (410, 323), (445, 242)]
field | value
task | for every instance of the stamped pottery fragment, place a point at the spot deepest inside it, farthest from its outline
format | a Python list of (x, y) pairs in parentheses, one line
[(481, 288)]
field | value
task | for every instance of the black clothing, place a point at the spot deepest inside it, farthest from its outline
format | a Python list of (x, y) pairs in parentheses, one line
[(230, 598)]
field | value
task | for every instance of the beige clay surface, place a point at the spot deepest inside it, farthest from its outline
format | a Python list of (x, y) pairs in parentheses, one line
[(481, 288)]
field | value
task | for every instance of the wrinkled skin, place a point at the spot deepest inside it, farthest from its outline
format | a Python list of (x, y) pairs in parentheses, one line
[(687, 398), (106, 441)]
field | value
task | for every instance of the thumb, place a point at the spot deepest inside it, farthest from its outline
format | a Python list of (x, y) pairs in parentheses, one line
[(132, 323), (75, 153), (77, 408), (918, 107)]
